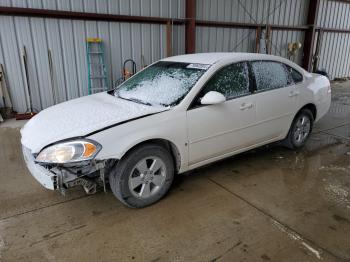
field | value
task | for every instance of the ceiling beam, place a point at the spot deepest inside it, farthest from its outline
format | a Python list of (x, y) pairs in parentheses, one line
[(47, 13), (248, 25)]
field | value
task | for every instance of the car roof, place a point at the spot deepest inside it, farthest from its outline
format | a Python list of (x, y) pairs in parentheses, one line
[(215, 57)]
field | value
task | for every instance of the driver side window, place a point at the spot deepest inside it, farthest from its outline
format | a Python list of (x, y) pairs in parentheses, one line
[(231, 81)]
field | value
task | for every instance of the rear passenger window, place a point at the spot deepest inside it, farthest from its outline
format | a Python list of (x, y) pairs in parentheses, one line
[(270, 75), (231, 81), (295, 75)]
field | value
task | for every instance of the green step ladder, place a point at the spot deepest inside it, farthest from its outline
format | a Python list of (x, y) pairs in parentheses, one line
[(97, 72)]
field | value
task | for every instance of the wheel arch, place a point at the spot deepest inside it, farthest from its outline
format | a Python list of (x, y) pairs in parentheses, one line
[(312, 107), (309, 106), (167, 144)]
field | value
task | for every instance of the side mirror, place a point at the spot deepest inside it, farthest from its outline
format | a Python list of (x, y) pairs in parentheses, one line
[(213, 98)]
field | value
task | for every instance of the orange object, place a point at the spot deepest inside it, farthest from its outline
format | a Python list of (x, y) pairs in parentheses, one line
[(89, 150), (94, 40), (127, 74)]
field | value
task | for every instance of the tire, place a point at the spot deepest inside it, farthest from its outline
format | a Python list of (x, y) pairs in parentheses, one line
[(136, 180), (299, 130)]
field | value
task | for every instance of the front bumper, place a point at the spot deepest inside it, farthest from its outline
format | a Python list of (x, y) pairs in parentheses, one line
[(44, 176)]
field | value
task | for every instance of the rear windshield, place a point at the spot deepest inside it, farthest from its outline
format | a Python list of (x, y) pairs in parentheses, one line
[(161, 84)]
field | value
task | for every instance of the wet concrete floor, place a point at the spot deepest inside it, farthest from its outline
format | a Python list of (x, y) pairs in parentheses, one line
[(269, 204)]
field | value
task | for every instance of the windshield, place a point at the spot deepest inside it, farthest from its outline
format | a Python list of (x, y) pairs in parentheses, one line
[(162, 84)]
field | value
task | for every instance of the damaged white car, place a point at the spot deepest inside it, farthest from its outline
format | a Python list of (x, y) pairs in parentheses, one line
[(178, 114)]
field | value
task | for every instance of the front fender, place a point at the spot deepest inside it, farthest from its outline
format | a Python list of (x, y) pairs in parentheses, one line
[(117, 141)]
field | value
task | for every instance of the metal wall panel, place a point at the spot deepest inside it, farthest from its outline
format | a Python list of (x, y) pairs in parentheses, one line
[(210, 39), (291, 12), (160, 8), (145, 43), (280, 40), (66, 40), (335, 47)]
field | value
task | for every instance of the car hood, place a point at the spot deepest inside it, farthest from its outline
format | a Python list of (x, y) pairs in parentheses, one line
[(79, 117)]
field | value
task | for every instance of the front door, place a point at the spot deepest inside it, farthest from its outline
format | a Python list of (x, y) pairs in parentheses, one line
[(216, 130)]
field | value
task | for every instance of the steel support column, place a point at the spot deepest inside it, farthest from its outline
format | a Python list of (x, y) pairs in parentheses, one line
[(310, 34), (190, 36), (169, 40)]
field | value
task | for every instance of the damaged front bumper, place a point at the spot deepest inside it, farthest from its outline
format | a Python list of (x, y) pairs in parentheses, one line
[(45, 177), (88, 175)]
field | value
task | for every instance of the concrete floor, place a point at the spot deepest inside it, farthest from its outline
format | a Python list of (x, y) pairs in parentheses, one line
[(270, 204)]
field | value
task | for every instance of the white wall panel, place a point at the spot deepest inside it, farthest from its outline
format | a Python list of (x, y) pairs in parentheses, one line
[(146, 43), (209, 39), (291, 12), (66, 40), (12, 61), (335, 47)]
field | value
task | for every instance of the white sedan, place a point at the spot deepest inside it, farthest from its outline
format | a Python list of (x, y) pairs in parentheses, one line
[(177, 114)]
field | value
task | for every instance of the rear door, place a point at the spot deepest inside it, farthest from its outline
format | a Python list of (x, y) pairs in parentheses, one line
[(215, 130), (276, 99)]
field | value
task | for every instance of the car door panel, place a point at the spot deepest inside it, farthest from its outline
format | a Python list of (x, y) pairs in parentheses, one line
[(214, 130), (275, 110), (218, 129), (276, 100)]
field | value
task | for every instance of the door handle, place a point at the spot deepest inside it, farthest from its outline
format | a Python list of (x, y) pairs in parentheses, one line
[(246, 106), (293, 93)]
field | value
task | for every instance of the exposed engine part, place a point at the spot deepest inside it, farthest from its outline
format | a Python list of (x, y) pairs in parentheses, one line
[(90, 175), (60, 184), (102, 177), (89, 185)]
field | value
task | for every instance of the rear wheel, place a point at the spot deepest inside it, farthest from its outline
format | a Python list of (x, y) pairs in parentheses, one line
[(300, 130), (143, 176)]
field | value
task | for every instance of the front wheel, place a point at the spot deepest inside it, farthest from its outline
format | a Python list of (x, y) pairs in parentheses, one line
[(143, 176), (300, 130)]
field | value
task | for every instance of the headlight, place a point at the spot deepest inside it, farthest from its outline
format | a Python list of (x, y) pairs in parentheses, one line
[(67, 152)]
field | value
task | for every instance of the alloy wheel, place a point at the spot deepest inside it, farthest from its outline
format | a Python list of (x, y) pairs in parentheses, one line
[(147, 177), (302, 129)]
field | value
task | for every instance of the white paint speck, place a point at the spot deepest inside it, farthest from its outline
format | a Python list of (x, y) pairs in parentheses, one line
[(311, 249), (337, 193), (2, 241), (333, 168), (294, 236), (2, 246)]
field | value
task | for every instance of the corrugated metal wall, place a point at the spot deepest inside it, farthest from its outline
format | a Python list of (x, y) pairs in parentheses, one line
[(66, 40), (335, 47), (249, 11)]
